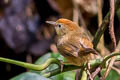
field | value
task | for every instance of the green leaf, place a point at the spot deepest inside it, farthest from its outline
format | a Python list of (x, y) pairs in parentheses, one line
[(49, 55), (37, 74), (63, 76), (113, 75), (57, 56), (29, 76), (43, 59), (50, 67), (70, 75)]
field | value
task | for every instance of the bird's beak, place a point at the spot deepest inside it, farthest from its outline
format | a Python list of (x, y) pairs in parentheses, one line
[(51, 22)]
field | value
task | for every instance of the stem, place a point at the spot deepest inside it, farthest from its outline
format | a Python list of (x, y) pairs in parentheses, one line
[(31, 66), (93, 63), (84, 75), (101, 30), (104, 25), (112, 36), (108, 57), (65, 69)]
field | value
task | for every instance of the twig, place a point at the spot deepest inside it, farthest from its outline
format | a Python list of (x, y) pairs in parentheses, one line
[(58, 70), (96, 72), (101, 30), (99, 12), (89, 74), (118, 46), (82, 21), (84, 26), (101, 43), (111, 25), (31, 66), (104, 62), (116, 69), (75, 12), (77, 15), (39, 67), (28, 59), (112, 35), (93, 64), (104, 25)]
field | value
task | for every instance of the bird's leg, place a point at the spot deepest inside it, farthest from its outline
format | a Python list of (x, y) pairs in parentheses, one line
[(88, 71), (63, 63)]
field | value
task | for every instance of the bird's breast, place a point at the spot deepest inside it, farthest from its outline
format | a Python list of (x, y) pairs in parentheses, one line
[(62, 40)]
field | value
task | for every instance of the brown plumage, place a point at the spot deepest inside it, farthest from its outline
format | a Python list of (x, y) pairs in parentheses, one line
[(72, 42)]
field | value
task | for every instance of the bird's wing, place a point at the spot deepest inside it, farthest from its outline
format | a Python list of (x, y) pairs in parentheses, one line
[(81, 45), (68, 49), (76, 45), (87, 46)]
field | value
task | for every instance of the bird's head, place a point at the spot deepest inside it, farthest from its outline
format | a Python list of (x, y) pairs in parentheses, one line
[(64, 26)]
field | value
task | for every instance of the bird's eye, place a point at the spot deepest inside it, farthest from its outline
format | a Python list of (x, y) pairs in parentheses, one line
[(59, 25)]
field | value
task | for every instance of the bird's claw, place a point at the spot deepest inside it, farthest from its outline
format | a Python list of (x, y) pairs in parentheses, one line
[(61, 66), (88, 71)]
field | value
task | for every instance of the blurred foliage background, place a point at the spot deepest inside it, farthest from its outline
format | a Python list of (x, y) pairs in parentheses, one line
[(25, 36)]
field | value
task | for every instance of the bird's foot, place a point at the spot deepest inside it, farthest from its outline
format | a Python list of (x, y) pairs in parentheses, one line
[(61, 66), (88, 71)]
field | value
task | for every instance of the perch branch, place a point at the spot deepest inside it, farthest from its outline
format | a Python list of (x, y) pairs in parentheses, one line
[(103, 64), (93, 63), (31, 66)]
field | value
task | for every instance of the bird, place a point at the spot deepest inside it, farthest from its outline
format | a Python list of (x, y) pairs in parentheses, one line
[(72, 42)]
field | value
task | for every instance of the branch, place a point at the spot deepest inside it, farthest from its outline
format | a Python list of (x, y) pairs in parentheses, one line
[(77, 15), (75, 12), (104, 25), (112, 35), (99, 3), (101, 30), (103, 64), (111, 25), (93, 64), (58, 70), (101, 43), (31, 66)]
